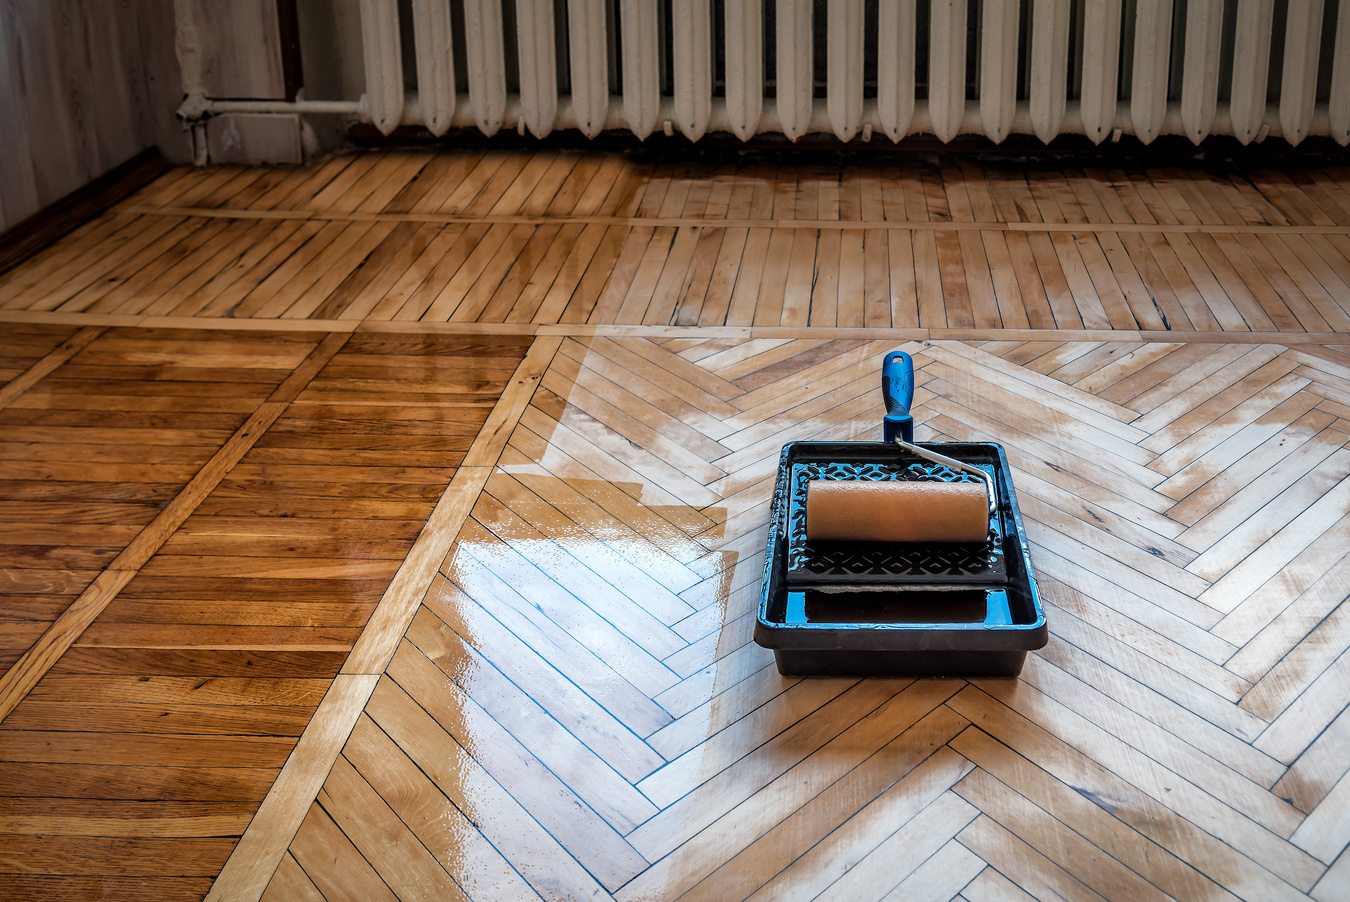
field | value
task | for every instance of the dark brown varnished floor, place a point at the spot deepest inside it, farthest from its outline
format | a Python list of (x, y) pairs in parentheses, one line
[(301, 468)]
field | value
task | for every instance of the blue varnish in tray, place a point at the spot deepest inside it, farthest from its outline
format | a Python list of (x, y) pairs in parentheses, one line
[(974, 607)]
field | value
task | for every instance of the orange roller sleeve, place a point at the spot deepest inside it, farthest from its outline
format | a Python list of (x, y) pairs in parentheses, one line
[(890, 511)]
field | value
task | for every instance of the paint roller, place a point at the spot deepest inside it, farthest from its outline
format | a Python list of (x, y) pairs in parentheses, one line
[(901, 511)]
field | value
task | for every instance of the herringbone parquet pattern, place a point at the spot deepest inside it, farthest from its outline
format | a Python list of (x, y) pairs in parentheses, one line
[(578, 710), (556, 695)]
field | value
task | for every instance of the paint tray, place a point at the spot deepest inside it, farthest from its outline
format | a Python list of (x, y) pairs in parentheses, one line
[(891, 608)]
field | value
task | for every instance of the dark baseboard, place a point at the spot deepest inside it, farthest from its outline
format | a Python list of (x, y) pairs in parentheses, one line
[(53, 222), (1019, 151)]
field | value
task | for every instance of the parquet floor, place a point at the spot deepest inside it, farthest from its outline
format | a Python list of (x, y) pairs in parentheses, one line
[(392, 528), (197, 527), (567, 238)]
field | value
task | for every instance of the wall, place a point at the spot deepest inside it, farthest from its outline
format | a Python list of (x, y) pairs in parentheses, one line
[(330, 48), (84, 86), (330, 52)]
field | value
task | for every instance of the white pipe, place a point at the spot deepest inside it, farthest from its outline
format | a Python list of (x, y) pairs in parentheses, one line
[(692, 50), (435, 63), (1152, 55), (187, 47), (998, 67), (641, 56), (1339, 105), (487, 63), (1252, 46), (1298, 85), (719, 121), (794, 77), (1200, 82), (384, 63), (1049, 66), (589, 64), (895, 66), (197, 108), (844, 67), (947, 67), (1101, 62), (744, 22), (538, 62)]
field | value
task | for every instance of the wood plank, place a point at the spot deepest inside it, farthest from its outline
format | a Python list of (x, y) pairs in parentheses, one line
[(20, 679), (22, 382), (825, 291), (83, 817), (1058, 294), (983, 301), (402, 862), (1030, 867), (1087, 813), (1168, 829), (250, 866), (553, 803), (115, 856), (332, 863), (769, 307), (736, 817), (132, 889), (291, 882), (955, 294), (595, 729), (57, 288), (881, 837), (450, 838)]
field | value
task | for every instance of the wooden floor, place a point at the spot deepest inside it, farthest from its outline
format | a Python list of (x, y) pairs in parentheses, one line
[(552, 237), (392, 528)]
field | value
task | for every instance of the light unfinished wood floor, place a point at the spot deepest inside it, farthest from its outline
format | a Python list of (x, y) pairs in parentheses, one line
[(556, 237), (538, 681)]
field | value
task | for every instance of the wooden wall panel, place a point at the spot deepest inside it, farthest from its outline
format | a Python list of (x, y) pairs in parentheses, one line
[(84, 86)]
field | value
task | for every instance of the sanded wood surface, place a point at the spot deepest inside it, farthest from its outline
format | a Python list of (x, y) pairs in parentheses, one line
[(253, 409), (551, 236)]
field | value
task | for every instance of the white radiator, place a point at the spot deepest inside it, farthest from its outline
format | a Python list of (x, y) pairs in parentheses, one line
[(868, 68)]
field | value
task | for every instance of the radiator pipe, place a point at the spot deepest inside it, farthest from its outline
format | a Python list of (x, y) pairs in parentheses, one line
[(197, 109)]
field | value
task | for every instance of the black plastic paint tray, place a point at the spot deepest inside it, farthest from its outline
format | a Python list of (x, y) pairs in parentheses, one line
[(873, 608), (889, 608)]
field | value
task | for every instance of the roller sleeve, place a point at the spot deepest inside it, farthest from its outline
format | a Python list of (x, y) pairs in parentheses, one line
[(894, 511)]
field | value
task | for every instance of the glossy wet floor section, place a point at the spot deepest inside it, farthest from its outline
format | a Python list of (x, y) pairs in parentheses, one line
[(393, 528), (577, 709)]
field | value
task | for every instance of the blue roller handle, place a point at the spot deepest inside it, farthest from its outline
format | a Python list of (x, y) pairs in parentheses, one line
[(897, 388)]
